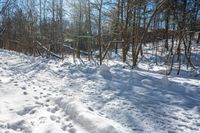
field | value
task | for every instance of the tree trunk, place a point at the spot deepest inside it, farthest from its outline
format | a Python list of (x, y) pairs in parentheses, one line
[(99, 32), (198, 39)]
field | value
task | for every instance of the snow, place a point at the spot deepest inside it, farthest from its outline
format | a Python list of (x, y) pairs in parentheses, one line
[(40, 95), (165, 81), (86, 117), (105, 72)]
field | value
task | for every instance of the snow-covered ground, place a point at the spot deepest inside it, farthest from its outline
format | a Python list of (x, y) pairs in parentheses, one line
[(47, 96)]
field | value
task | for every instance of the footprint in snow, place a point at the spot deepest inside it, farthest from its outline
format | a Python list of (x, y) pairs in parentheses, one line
[(69, 127), (64, 127), (47, 100), (42, 119), (23, 88), (25, 93), (53, 110), (36, 97), (67, 119), (47, 105), (48, 94), (21, 125), (55, 118), (27, 110), (11, 109), (72, 130), (39, 103), (91, 109)]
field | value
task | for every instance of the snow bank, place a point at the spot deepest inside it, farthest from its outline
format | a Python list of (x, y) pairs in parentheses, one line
[(87, 118), (88, 69)]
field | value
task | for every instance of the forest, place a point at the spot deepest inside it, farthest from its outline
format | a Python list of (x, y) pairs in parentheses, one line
[(49, 27)]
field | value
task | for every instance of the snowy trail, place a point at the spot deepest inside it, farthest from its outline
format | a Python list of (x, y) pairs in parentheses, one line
[(27, 99), (28, 92), (45, 96)]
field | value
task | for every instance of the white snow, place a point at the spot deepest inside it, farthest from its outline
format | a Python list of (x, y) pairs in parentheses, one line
[(40, 95), (87, 118)]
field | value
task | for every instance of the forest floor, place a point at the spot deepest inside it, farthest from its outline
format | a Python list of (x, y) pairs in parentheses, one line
[(40, 95)]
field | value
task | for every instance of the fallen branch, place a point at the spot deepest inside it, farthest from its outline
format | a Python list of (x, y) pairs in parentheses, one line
[(48, 51)]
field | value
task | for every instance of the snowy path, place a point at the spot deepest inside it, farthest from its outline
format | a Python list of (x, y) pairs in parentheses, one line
[(42, 96), (30, 100)]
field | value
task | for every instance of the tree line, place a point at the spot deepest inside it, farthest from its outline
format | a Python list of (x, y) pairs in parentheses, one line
[(41, 27)]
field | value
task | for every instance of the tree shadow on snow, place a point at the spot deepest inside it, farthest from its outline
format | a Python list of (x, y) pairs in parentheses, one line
[(152, 102)]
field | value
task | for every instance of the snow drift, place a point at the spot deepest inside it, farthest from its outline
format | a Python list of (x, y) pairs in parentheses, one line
[(88, 119)]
